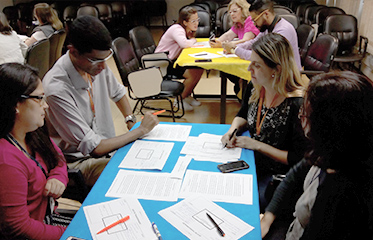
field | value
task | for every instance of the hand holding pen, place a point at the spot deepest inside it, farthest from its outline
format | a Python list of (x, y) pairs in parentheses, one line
[(230, 137)]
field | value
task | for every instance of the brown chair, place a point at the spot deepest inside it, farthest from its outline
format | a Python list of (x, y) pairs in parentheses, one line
[(305, 35), (38, 56), (344, 27), (320, 55), (56, 40)]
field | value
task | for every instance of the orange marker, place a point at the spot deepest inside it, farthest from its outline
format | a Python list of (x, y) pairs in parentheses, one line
[(156, 113), (114, 224)]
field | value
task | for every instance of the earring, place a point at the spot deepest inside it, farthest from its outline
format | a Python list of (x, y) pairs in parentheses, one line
[(17, 111), (273, 75)]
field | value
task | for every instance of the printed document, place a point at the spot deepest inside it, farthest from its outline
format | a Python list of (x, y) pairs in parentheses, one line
[(218, 187), (144, 185), (190, 218), (147, 155), (180, 167), (169, 132), (205, 55), (103, 214)]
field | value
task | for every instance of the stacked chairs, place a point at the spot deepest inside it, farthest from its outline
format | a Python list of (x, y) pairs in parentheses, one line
[(305, 35), (323, 13), (301, 10)]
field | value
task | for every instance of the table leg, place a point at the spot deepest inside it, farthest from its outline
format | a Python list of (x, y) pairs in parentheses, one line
[(223, 97)]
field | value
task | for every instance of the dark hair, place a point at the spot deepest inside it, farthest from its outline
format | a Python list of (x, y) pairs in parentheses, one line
[(339, 110), (17, 79), (87, 33), (259, 6), (184, 15), (5, 28)]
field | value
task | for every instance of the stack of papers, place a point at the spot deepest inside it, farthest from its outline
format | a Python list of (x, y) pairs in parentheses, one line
[(205, 55)]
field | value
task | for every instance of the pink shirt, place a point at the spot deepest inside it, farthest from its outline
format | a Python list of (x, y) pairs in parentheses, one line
[(173, 41), (22, 204), (248, 27)]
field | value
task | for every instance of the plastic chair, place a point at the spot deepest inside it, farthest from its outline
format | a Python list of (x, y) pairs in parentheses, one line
[(305, 35), (345, 28), (145, 84), (56, 40), (320, 55), (38, 56)]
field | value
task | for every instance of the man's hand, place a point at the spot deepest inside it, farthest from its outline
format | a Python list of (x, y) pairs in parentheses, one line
[(54, 188), (148, 122)]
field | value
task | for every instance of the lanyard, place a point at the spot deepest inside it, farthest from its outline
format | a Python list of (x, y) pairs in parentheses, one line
[(16, 143), (259, 122), (90, 93)]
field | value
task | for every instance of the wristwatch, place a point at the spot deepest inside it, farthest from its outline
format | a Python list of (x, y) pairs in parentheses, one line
[(130, 118)]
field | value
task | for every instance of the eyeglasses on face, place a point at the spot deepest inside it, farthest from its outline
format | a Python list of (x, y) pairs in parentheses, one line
[(97, 61), (195, 20), (40, 98), (234, 11), (260, 14)]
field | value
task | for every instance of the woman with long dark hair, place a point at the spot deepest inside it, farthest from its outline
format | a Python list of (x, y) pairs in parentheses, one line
[(32, 168)]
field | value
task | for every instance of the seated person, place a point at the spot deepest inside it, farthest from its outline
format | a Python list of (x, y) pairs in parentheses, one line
[(270, 111), (78, 89), (182, 35), (333, 185), (48, 23), (12, 48), (32, 167), (243, 28)]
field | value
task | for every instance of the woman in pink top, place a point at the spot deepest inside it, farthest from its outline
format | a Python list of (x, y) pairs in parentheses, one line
[(32, 168), (178, 36)]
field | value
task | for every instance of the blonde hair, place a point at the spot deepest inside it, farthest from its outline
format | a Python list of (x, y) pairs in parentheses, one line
[(275, 50), (244, 5), (46, 14)]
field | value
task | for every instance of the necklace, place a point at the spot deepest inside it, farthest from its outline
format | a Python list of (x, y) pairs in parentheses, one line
[(259, 122)]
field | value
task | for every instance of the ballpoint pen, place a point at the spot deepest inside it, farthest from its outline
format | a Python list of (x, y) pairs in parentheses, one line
[(216, 225), (156, 231), (156, 113), (231, 136), (114, 224)]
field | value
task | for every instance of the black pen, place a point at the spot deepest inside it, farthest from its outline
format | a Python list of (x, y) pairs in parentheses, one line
[(202, 54), (230, 138), (216, 225)]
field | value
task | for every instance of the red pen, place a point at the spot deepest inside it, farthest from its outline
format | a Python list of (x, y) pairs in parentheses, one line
[(156, 113), (114, 224)]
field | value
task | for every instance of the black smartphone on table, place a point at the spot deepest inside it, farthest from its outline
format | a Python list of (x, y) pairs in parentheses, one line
[(233, 166), (212, 38)]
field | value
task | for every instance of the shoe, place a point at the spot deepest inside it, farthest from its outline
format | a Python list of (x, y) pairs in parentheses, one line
[(187, 106), (192, 101)]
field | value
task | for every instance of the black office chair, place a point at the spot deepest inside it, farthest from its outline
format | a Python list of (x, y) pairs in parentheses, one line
[(291, 18), (120, 20), (218, 19), (56, 40), (280, 9), (226, 22), (305, 35), (320, 55), (142, 83), (301, 10), (310, 13), (204, 27), (323, 13), (87, 10), (37, 55), (345, 28)]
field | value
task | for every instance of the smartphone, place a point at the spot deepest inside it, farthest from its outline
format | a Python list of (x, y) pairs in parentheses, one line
[(203, 60), (74, 238), (233, 166), (212, 38)]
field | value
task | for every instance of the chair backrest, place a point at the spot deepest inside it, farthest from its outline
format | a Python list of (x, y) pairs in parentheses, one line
[(310, 14), (142, 40), (146, 82), (125, 58), (70, 13), (291, 18), (204, 27), (87, 10), (301, 10), (218, 19), (321, 53), (118, 10), (226, 22), (104, 12), (38, 56), (305, 35), (344, 27), (280, 9), (12, 14), (323, 13), (56, 40)]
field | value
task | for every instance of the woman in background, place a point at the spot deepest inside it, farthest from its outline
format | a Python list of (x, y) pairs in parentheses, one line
[(334, 184), (270, 111), (12, 48), (32, 167), (48, 23), (182, 35)]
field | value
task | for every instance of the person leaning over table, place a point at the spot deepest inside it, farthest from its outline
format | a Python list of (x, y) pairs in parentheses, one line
[(182, 35), (78, 89), (32, 167), (48, 23), (270, 111), (333, 184), (267, 21), (243, 28)]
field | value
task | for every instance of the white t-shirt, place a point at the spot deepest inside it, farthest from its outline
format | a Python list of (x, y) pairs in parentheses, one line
[(12, 48)]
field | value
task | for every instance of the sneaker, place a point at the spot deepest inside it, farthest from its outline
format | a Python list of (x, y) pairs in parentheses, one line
[(192, 101), (187, 106)]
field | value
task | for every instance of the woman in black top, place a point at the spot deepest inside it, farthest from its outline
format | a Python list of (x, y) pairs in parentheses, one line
[(270, 111)]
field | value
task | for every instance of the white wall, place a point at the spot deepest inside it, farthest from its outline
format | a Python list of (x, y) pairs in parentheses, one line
[(5, 3)]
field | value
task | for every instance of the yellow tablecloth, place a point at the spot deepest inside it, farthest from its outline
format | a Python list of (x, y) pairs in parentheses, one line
[(232, 65)]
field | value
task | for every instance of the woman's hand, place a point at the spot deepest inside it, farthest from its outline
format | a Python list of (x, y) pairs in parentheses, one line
[(247, 142), (228, 46), (226, 142), (216, 43), (266, 222), (54, 188)]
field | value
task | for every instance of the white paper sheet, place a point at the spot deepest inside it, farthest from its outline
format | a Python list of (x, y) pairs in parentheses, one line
[(144, 185), (209, 146), (169, 132), (147, 155), (103, 214), (205, 55), (180, 167), (228, 55), (218, 187), (189, 217), (204, 44)]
